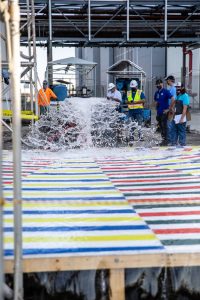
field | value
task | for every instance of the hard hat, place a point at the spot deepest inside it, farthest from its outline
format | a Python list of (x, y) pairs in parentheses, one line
[(170, 77), (133, 83), (111, 86), (178, 84)]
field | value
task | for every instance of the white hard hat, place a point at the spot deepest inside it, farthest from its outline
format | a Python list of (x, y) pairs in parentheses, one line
[(178, 84), (133, 83), (111, 86)]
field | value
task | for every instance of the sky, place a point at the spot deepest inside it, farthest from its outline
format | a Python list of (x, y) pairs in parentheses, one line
[(58, 53)]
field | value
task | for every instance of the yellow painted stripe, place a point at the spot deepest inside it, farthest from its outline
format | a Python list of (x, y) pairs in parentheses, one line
[(65, 184), (38, 204), (66, 220), (97, 170), (66, 193), (180, 166), (57, 239)]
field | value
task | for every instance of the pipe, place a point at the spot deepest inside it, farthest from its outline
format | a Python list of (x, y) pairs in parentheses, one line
[(17, 196), (1, 195), (190, 63), (190, 68)]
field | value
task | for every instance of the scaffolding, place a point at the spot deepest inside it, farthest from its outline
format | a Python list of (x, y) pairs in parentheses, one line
[(78, 23)]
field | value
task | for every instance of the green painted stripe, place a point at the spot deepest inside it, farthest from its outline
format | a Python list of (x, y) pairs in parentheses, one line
[(160, 222), (181, 242)]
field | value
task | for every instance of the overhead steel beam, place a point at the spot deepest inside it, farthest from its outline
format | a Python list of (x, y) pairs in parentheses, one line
[(111, 19)]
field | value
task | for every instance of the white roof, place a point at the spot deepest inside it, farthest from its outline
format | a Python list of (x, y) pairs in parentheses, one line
[(122, 65), (73, 61)]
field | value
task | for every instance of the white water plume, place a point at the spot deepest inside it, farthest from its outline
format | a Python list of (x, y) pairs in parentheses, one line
[(86, 123)]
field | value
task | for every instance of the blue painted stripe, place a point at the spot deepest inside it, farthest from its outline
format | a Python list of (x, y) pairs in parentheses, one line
[(82, 198), (66, 180), (67, 173), (82, 250), (72, 212), (66, 167), (63, 188), (80, 228)]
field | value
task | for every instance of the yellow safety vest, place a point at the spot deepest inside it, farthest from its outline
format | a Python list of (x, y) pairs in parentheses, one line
[(136, 99)]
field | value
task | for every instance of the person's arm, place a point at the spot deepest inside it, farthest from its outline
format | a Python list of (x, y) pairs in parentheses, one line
[(142, 101), (117, 97), (183, 114), (53, 95), (172, 105), (186, 102)]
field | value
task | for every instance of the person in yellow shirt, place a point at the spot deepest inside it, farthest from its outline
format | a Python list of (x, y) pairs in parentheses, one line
[(44, 98)]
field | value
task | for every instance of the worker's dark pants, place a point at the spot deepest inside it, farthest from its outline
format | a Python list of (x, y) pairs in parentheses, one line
[(44, 110), (162, 122)]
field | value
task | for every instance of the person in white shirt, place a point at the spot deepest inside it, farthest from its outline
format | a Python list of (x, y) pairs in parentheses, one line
[(113, 94)]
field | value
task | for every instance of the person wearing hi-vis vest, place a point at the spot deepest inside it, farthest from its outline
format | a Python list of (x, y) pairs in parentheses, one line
[(135, 101)]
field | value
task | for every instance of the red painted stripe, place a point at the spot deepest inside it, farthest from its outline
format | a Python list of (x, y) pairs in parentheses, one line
[(170, 213), (153, 180), (163, 200), (161, 189), (119, 163), (127, 168), (177, 230), (143, 173)]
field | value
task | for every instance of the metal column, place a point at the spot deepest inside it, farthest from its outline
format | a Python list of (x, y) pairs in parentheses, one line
[(127, 21), (49, 45), (89, 20), (165, 34), (17, 197)]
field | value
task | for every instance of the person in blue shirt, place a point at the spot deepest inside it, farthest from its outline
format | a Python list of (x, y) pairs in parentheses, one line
[(170, 124), (161, 97), (181, 106)]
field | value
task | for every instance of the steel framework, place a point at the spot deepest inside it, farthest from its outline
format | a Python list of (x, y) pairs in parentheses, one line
[(126, 23)]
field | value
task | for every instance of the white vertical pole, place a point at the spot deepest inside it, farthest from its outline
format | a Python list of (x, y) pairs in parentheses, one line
[(165, 37), (1, 192), (127, 21), (17, 197), (89, 20)]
